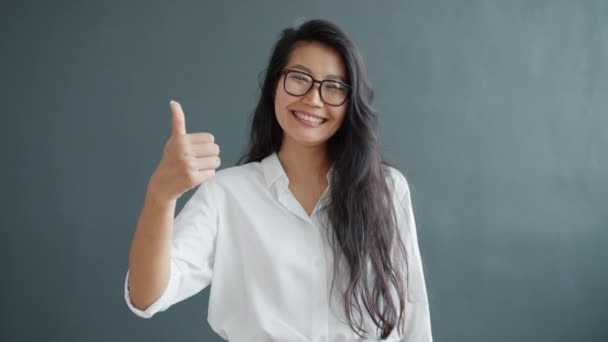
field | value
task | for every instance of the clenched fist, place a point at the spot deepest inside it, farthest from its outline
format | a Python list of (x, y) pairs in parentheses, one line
[(188, 160)]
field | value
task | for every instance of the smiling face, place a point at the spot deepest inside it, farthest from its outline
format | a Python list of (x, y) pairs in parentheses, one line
[(299, 116)]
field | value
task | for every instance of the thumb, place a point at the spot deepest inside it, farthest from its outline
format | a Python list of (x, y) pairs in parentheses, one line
[(179, 120)]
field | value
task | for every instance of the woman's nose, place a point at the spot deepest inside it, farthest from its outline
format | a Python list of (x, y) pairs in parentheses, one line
[(313, 97)]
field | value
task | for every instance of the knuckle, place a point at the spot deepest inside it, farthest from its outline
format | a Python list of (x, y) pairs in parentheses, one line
[(191, 177), (192, 165), (181, 142), (176, 140), (187, 166), (183, 159)]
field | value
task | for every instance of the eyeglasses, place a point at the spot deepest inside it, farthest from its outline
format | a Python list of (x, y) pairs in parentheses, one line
[(297, 83)]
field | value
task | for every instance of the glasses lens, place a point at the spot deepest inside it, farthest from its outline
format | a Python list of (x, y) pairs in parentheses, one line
[(297, 84), (334, 93)]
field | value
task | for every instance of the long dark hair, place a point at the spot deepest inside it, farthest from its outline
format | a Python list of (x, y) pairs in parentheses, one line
[(360, 208)]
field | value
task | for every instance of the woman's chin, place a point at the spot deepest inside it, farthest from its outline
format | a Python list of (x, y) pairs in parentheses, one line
[(307, 140)]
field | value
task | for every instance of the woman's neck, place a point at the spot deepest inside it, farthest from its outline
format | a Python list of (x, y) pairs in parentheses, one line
[(304, 164)]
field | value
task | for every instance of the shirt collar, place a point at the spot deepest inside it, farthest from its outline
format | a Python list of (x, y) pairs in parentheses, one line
[(273, 170)]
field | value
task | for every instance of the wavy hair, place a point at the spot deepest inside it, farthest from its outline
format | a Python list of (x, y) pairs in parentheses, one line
[(360, 207)]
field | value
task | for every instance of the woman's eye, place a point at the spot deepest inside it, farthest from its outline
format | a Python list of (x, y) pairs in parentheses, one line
[(300, 78), (334, 86)]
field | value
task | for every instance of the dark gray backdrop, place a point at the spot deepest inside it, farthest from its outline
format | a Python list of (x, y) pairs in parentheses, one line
[(495, 110)]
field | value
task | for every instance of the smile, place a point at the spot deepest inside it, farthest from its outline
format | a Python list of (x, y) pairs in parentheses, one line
[(308, 120)]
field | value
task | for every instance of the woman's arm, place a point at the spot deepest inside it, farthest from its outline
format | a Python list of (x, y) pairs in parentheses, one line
[(188, 160), (149, 256)]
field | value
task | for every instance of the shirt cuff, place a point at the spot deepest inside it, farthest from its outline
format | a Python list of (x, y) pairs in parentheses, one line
[(161, 304)]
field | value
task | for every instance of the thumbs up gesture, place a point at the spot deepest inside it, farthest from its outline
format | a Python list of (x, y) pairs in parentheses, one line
[(188, 160)]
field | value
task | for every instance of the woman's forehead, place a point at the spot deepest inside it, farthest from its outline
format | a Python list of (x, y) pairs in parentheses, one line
[(320, 60)]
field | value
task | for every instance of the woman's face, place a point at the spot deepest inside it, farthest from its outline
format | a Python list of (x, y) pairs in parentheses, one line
[(321, 62)]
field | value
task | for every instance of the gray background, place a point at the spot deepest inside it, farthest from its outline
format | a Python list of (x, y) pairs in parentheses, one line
[(496, 111)]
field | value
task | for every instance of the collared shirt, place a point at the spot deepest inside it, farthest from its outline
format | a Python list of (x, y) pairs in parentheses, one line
[(269, 263)]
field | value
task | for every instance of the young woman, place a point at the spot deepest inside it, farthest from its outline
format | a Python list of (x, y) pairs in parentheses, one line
[(311, 237)]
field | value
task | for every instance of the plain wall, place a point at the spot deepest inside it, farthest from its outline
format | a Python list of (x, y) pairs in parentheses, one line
[(496, 111)]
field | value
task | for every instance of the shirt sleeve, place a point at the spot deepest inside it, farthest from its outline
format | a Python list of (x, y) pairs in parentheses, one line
[(192, 253), (417, 314)]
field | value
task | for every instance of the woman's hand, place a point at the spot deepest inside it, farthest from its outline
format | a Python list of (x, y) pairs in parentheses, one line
[(188, 160)]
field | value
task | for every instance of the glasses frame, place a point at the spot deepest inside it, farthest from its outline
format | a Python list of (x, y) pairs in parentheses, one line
[(312, 84)]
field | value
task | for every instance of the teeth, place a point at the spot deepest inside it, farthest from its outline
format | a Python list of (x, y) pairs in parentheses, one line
[(308, 118)]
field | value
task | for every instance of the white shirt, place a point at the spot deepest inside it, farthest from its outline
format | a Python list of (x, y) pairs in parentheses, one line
[(270, 265)]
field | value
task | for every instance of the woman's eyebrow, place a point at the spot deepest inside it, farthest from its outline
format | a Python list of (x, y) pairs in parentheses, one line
[(304, 68)]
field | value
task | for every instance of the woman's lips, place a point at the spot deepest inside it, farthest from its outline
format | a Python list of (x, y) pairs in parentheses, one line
[(307, 123)]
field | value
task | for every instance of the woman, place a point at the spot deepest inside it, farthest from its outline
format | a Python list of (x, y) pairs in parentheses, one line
[(312, 237)]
